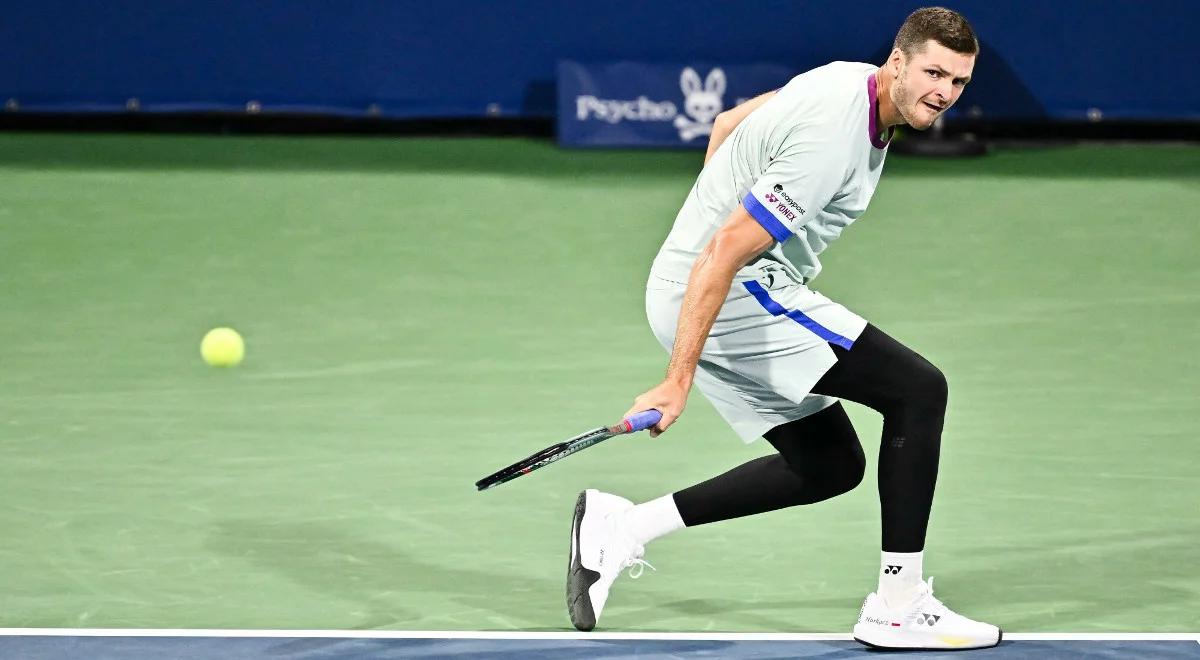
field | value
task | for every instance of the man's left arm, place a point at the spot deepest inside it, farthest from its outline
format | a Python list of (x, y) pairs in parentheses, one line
[(725, 122)]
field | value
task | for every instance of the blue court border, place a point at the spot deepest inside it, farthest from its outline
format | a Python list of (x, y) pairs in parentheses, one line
[(103, 644)]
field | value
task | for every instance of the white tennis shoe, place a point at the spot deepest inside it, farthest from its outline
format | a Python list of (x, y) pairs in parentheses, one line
[(600, 550), (925, 623)]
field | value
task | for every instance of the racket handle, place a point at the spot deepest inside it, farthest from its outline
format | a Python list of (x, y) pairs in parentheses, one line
[(642, 421)]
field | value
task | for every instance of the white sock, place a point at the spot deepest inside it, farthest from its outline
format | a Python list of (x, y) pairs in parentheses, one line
[(900, 573), (650, 520)]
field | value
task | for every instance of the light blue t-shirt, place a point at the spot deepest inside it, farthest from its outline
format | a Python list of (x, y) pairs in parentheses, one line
[(805, 165)]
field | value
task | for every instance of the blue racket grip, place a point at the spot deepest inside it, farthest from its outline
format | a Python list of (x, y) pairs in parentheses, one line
[(642, 421)]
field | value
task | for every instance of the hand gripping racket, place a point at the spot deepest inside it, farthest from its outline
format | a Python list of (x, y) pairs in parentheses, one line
[(635, 422)]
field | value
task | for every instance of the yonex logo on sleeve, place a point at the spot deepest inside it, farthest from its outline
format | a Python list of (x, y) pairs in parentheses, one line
[(779, 206), (787, 198)]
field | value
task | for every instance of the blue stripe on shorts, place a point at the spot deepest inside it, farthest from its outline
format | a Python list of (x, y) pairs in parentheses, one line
[(760, 294)]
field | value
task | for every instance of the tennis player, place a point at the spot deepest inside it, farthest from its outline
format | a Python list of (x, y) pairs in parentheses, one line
[(728, 297)]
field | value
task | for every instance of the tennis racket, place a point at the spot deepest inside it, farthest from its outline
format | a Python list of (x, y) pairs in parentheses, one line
[(635, 422)]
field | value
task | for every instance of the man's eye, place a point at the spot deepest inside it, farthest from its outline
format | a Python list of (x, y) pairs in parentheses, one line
[(933, 73)]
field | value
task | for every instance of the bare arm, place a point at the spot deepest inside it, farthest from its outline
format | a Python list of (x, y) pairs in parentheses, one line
[(735, 244), (725, 122)]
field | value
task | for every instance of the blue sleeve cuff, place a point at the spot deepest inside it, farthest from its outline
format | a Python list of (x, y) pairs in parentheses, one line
[(774, 227)]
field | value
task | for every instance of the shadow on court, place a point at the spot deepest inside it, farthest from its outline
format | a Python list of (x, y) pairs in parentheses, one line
[(388, 581), (1089, 579), (384, 578), (1077, 577)]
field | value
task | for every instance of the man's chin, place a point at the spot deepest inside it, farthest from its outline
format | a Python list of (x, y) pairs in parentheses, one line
[(922, 124)]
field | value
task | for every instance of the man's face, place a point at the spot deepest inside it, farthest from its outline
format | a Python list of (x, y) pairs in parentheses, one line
[(928, 82)]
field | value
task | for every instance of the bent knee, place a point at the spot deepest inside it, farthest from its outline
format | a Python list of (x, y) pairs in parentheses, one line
[(856, 469), (834, 475), (928, 386)]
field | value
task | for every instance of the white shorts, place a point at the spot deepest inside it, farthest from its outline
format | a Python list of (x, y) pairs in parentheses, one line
[(766, 350)]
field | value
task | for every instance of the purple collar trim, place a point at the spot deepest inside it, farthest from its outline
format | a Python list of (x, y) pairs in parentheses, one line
[(873, 123)]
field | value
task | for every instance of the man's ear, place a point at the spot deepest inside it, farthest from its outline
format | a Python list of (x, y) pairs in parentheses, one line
[(896, 61)]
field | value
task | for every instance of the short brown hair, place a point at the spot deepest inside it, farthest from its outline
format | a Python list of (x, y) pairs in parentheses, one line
[(945, 26)]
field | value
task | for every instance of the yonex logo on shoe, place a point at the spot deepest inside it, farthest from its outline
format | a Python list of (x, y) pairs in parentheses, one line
[(928, 619), (892, 570)]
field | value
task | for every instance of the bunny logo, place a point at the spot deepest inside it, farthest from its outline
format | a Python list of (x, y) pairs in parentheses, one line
[(702, 102)]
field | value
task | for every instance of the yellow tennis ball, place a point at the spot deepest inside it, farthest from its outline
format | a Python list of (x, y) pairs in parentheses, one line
[(222, 347)]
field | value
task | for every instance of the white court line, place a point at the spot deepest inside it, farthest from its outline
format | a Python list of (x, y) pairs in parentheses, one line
[(471, 634)]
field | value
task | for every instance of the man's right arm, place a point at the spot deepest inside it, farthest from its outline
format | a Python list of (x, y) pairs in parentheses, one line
[(741, 239)]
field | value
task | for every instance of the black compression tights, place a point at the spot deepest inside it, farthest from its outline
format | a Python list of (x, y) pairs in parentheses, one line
[(820, 457)]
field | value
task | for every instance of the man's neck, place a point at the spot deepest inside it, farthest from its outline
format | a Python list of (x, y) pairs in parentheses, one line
[(888, 114)]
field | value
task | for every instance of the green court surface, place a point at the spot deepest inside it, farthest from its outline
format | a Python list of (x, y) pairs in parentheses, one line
[(419, 312)]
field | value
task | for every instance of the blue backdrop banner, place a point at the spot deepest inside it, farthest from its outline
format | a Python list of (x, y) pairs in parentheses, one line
[(657, 105), (1073, 60)]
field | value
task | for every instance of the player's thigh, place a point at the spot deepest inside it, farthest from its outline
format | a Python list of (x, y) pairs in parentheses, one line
[(777, 337), (759, 362), (879, 371)]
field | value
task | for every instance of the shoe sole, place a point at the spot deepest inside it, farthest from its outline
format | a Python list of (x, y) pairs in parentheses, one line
[(580, 579), (999, 638)]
